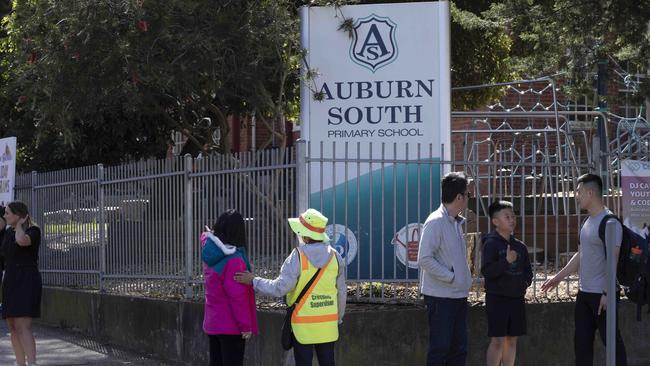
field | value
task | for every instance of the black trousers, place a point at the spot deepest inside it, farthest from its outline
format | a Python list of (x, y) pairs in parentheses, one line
[(303, 353), (587, 321), (227, 350)]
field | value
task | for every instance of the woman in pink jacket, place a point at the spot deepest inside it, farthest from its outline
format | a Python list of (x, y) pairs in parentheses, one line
[(230, 317)]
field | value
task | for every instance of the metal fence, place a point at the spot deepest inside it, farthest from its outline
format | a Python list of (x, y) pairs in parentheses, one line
[(631, 141), (386, 199), (133, 228)]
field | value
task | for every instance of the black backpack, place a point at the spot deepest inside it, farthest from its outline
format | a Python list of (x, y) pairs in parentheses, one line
[(633, 268)]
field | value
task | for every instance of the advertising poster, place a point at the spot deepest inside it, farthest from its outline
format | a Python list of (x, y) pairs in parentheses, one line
[(635, 183)]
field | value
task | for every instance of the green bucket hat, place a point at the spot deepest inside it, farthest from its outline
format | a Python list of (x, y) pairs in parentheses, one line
[(311, 224)]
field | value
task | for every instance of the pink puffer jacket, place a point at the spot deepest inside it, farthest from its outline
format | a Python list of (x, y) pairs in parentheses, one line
[(229, 305)]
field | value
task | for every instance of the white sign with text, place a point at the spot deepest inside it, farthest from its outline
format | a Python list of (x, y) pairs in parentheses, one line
[(375, 103), (7, 169)]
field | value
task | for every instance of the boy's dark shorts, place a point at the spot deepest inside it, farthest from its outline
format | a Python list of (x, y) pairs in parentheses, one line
[(506, 316)]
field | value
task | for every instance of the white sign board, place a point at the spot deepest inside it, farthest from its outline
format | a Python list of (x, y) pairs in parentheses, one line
[(387, 81), (7, 169), (380, 84)]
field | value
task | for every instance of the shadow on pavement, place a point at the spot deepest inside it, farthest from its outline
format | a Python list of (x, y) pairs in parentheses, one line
[(57, 347)]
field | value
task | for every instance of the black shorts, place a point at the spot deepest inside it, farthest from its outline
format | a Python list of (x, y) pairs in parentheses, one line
[(506, 316)]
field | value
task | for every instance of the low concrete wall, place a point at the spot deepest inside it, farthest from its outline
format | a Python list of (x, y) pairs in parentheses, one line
[(381, 336)]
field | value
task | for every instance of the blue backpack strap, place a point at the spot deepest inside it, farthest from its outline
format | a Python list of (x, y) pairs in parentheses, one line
[(603, 225)]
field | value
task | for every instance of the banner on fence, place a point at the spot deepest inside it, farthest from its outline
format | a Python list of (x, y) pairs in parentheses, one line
[(635, 183), (376, 87), (7, 169)]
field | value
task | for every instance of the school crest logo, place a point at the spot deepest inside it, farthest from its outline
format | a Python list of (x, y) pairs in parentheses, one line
[(373, 42)]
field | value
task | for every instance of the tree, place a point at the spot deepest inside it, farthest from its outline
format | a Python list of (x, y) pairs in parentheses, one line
[(124, 74), (571, 36), (108, 81), (480, 53)]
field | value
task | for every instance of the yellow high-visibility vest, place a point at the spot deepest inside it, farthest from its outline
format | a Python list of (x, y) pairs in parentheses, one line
[(315, 318)]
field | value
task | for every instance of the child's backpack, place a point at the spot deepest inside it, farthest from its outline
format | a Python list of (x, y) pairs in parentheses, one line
[(633, 268)]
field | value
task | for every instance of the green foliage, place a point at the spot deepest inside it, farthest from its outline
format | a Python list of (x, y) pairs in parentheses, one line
[(108, 81), (571, 36), (480, 53), (69, 77)]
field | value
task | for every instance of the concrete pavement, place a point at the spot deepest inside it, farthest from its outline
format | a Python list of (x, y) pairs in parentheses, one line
[(56, 347)]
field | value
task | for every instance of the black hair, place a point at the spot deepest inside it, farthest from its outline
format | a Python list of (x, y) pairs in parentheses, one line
[(452, 185), (2, 213), (592, 180), (230, 228), (497, 206)]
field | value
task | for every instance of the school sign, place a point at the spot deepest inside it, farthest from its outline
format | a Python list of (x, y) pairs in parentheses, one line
[(384, 78)]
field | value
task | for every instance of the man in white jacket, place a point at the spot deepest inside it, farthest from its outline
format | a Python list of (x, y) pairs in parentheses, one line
[(445, 276)]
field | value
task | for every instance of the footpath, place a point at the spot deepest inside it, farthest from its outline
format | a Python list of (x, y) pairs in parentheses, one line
[(56, 347)]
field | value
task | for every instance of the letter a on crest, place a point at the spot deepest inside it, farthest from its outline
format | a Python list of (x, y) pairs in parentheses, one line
[(373, 42)]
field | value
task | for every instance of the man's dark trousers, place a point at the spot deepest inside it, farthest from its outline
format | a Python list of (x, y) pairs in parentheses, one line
[(587, 321), (447, 331)]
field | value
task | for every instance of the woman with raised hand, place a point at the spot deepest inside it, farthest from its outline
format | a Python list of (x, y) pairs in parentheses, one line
[(22, 285)]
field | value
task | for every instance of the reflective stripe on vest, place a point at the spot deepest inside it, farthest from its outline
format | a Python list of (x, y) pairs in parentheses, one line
[(315, 318)]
